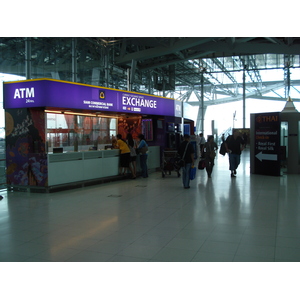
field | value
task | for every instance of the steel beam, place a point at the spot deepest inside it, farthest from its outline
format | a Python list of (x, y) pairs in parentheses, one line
[(159, 51)]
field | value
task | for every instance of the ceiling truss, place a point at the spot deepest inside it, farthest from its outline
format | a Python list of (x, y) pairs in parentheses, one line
[(166, 66)]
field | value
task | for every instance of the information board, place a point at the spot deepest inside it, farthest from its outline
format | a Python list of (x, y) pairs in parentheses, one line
[(267, 144)]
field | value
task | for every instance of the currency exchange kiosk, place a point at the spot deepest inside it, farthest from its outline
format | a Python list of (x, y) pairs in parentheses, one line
[(60, 133)]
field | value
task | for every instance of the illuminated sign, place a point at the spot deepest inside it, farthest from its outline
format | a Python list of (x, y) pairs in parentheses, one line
[(267, 144), (24, 93), (62, 94)]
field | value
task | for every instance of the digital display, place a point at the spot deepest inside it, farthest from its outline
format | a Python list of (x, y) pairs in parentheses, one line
[(147, 129)]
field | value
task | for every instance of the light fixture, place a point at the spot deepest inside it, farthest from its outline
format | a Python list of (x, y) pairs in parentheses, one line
[(53, 111), (68, 112), (79, 114), (111, 117)]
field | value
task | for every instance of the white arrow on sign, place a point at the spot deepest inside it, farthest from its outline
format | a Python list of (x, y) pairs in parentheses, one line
[(262, 156)]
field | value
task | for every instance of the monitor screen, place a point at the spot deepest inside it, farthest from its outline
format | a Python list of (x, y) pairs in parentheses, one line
[(58, 150), (147, 129)]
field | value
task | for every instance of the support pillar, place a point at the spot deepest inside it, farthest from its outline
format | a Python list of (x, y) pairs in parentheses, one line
[(95, 76), (28, 58), (244, 98), (74, 60), (202, 103), (106, 68), (287, 76)]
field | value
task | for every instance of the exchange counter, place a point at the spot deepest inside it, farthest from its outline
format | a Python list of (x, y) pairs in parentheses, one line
[(72, 167)]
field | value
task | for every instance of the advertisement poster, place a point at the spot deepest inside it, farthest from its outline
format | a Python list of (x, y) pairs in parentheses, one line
[(26, 159), (267, 144)]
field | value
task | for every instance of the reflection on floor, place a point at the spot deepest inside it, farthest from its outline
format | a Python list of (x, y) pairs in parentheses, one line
[(222, 219)]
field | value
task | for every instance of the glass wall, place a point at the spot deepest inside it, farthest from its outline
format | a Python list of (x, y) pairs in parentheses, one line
[(12, 56), (74, 132), (51, 58)]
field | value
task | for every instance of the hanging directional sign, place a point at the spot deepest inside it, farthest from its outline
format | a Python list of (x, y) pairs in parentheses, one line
[(267, 144)]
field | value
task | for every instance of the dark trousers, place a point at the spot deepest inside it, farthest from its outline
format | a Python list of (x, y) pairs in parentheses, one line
[(186, 175), (143, 162), (209, 164), (234, 161)]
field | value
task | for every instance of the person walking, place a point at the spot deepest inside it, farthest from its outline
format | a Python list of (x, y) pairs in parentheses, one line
[(187, 153), (142, 150), (223, 138), (210, 148), (234, 146), (201, 144)]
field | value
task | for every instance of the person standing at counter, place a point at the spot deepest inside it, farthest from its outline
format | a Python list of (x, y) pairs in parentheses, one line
[(124, 155), (132, 146), (142, 150)]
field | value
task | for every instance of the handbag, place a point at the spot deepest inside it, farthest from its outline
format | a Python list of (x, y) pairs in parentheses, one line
[(222, 149), (192, 173), (201, 164), (132, 151), (144, 150), (181, 161)]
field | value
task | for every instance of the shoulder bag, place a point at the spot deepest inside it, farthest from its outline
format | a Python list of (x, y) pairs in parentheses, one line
[(182, 162)]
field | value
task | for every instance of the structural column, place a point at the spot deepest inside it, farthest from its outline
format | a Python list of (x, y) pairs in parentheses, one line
[(287, 76), (74, 60), (202, 102), (244, 98), (28, 58)]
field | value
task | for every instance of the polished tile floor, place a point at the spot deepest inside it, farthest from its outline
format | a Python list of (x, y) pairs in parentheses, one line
[(250, 218)]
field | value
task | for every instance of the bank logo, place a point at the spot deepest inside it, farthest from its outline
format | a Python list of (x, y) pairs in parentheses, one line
[(102, 95)]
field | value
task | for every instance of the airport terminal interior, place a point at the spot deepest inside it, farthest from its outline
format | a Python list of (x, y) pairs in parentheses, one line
[(249, 218), (149, 238)]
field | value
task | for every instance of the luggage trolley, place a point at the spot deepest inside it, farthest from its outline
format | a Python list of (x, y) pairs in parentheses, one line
[(170, 162)]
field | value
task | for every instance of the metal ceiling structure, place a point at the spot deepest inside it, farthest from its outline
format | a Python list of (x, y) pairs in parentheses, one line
[(213, 69)]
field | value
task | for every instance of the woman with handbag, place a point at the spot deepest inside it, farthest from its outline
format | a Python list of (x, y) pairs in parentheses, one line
[(210, 148)]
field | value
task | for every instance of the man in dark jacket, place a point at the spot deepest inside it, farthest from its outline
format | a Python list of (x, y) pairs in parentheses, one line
[(234, 146), (187, 153)]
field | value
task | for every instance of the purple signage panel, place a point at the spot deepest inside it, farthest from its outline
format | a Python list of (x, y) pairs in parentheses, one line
[(60, 94), (24, 94)]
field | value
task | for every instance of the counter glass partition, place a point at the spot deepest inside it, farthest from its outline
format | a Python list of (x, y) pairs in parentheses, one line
[(74, 132)]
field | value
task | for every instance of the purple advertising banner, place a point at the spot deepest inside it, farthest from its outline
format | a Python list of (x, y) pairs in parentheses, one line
[(61, 94)]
